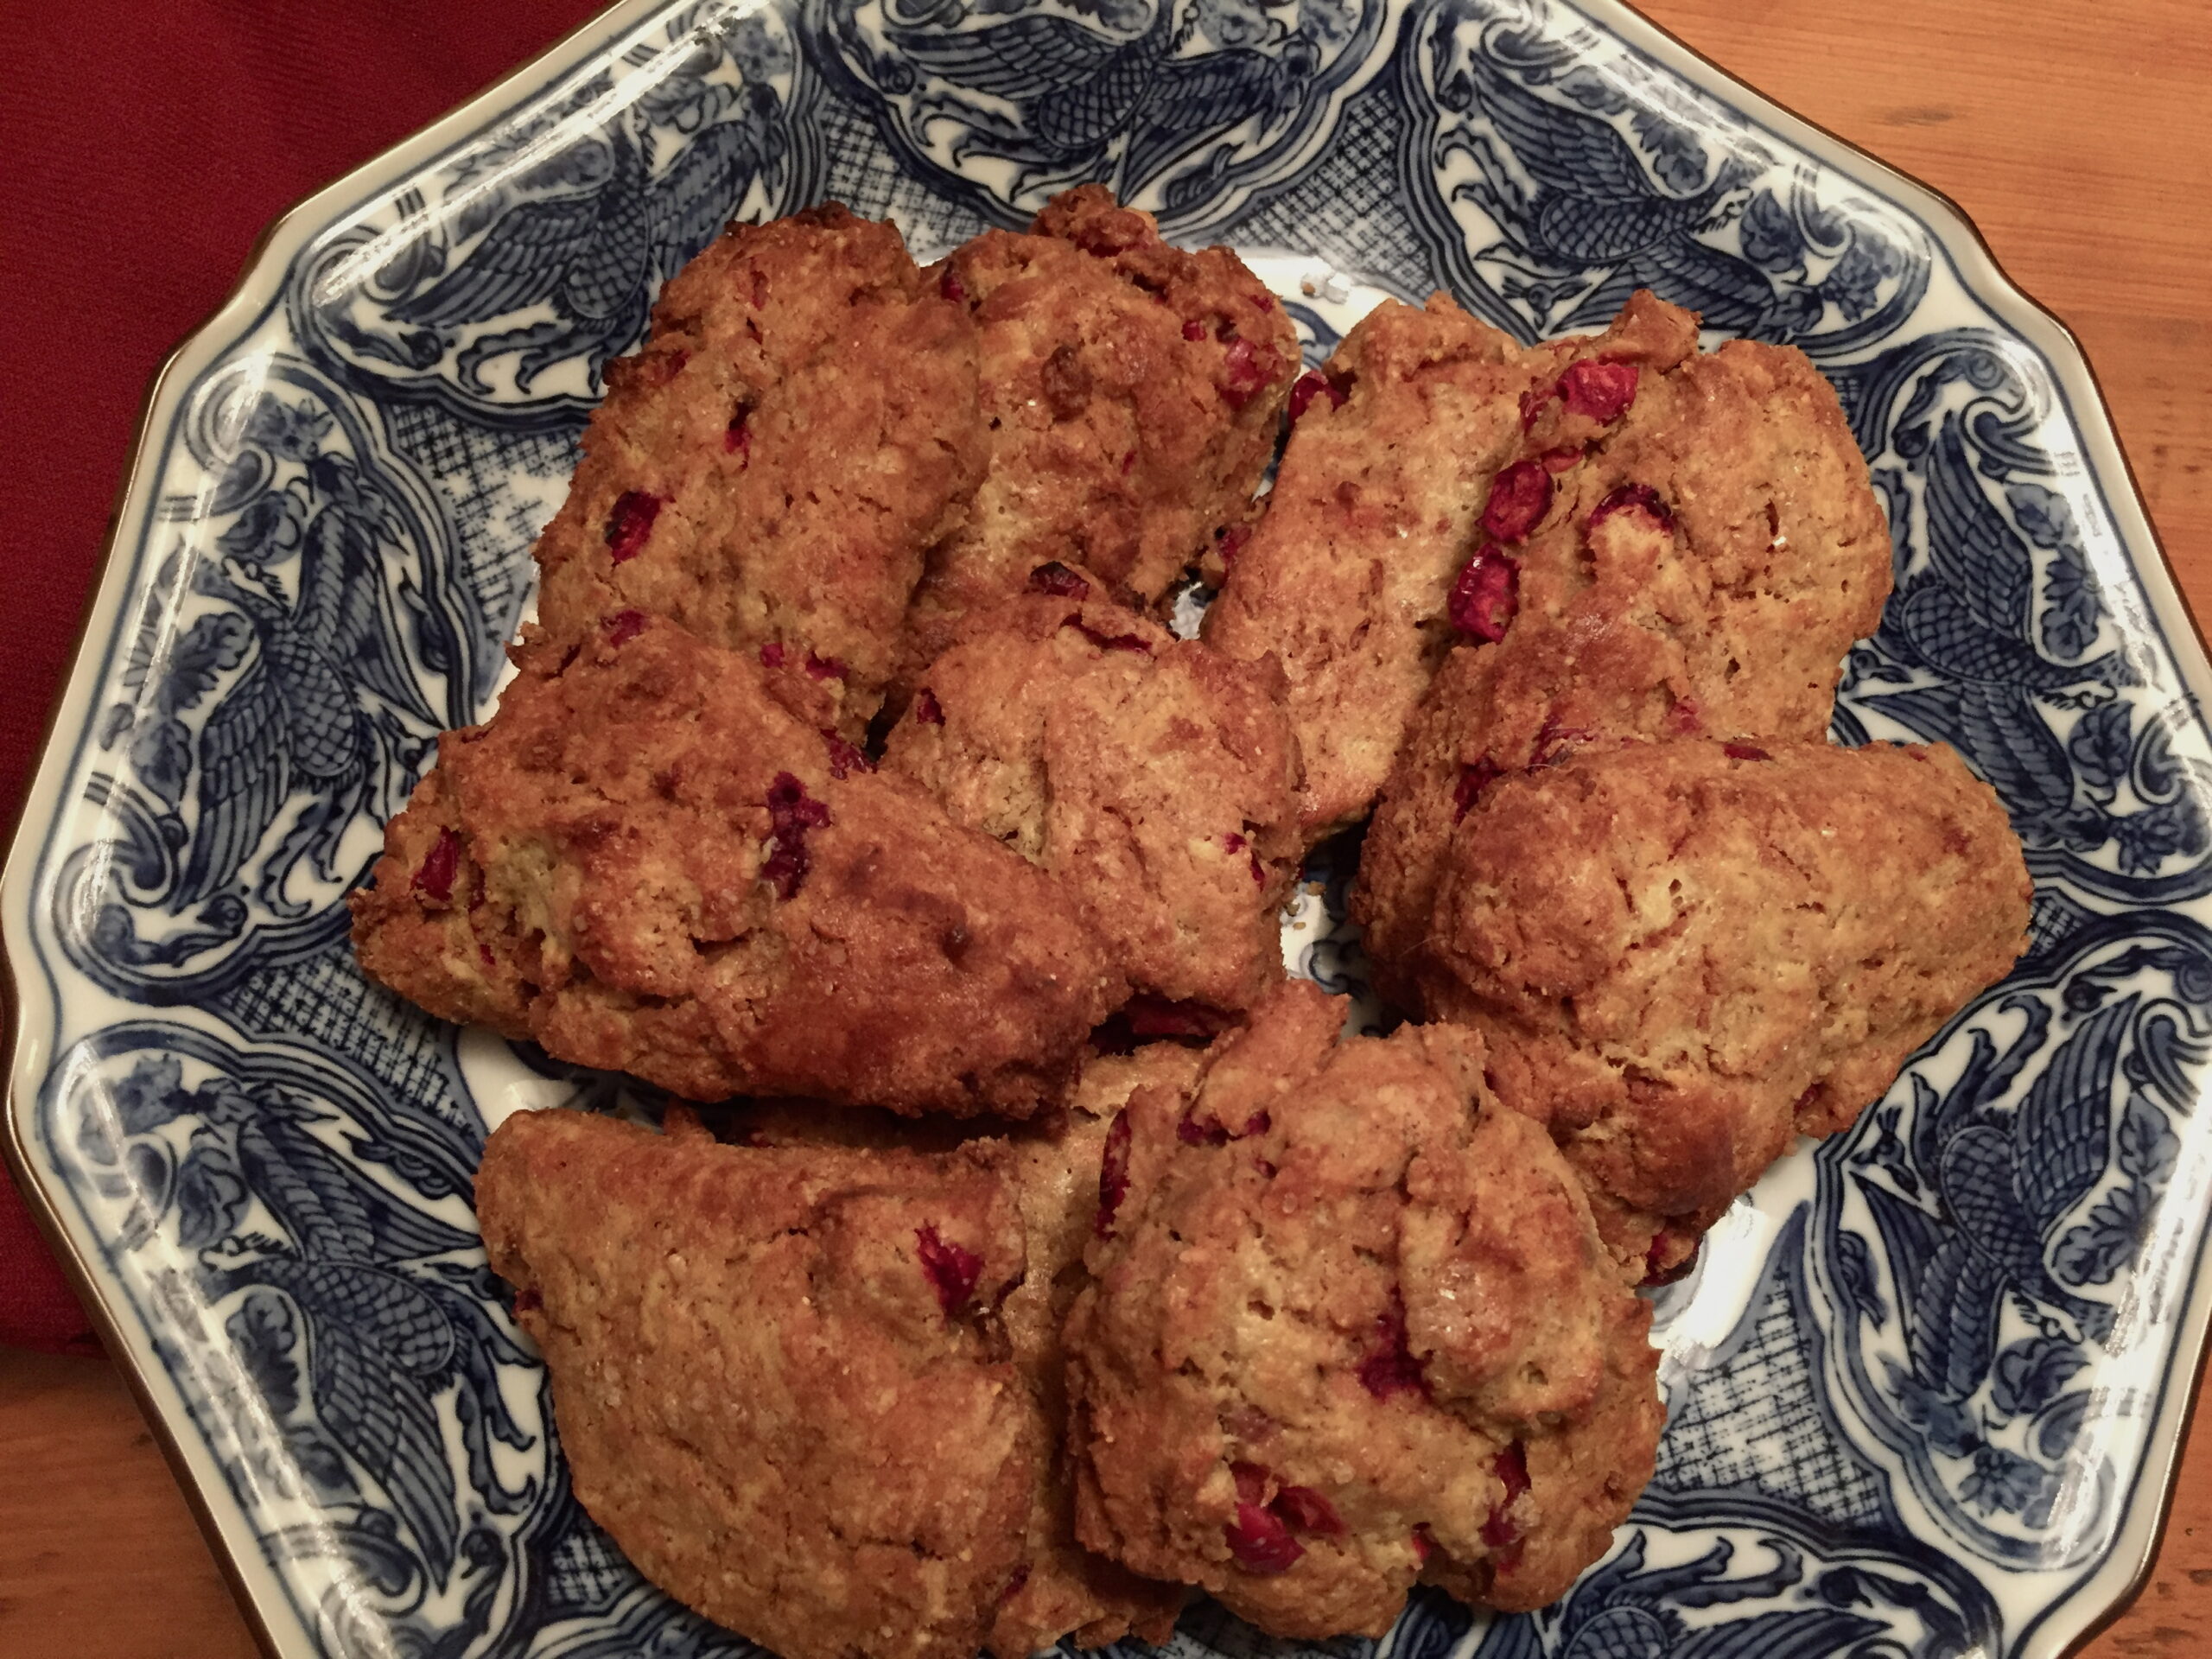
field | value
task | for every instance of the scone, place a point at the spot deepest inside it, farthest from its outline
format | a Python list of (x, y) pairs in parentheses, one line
[(780, 1376), (1390, 481), (1053, 1167), (645, 862), (1154, 778), (1700, 570), (768, 470), (1682, 954), (1132, 392), (1352, 1328)]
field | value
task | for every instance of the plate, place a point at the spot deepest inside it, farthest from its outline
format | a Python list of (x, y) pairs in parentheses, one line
[(1926, 1390)]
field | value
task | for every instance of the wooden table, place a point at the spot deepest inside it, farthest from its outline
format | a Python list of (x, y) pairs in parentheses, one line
[(2078, 137)]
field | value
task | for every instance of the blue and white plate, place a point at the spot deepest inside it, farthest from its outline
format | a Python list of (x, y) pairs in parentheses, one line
[(1927, 1389)]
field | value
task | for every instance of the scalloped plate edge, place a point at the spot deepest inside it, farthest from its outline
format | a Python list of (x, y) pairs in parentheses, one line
[(2102, 1592)]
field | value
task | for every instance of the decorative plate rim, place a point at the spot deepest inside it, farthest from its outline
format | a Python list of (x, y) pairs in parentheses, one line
[(2069, 1622)]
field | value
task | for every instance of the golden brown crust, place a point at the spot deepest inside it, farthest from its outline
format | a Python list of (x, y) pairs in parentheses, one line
[(782, 1414), (1153, 776), (1683, 956), (1719, 603), (1340, 1289), (1132, 391), (800, 426), (1378, 504), (645, 862), (1053, 1167)]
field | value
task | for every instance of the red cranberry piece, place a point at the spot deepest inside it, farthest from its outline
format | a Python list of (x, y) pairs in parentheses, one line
[(630, 522), (1745, 752), (1129, 461), (528, 1301), (947, 285), (1056, 579), (439, 867), (1561, 460), (1473, 780), (1519, 498), (952, 1271), (1656, 1274), (1106, 641), (791, 813), (1390, 1367), (1232, 543), (624, 626), (1233, 842), (1114, 1173), (1633, 498), (1251, 1481), (1313, 383), (1601, 391), (1014, 1585), (484, 954), (1261, 1542), (1194, 329), (1500, 1532), (927, 709), (1486, 596), (737, 438), (1553, 741), (824, 668), (1244, 372), (1424, 1546), (1307, 1510), (845, 757), (772, 654), (1683, 717), (1263, 302)]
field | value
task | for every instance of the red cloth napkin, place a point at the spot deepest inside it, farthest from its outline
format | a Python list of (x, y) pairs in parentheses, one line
[(147, 143)]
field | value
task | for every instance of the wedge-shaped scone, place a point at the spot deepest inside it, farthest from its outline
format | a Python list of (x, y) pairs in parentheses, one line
[(1153, 777), (1384, 493), (780, 1375), (1352, 1328), (1132, 392), (1684, 954), (1052, 1169), (645, 863), (768, 470), (1700, 571)]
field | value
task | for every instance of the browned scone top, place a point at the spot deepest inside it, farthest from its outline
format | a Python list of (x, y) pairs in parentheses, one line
[(801, 424), (1701, 570), (645, 863), (1153, 777), (779, 1375), (1131, 391), (1683, 954), (1378, 504), (1052, 1168), (1352, 1327)]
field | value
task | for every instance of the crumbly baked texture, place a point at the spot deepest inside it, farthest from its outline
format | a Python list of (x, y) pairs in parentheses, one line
[(1683, 954), (769, 468), (1376, 507), (645, 862), (1132, 393), (1053, 1168), (1153, 777), (1699, 570), (1352, 1327), (780, 1376)]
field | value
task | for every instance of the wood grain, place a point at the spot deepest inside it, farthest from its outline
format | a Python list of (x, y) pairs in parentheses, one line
[(2077, 138)]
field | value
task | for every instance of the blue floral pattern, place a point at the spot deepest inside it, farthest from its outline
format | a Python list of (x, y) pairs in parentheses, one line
[(1916, 1382)]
